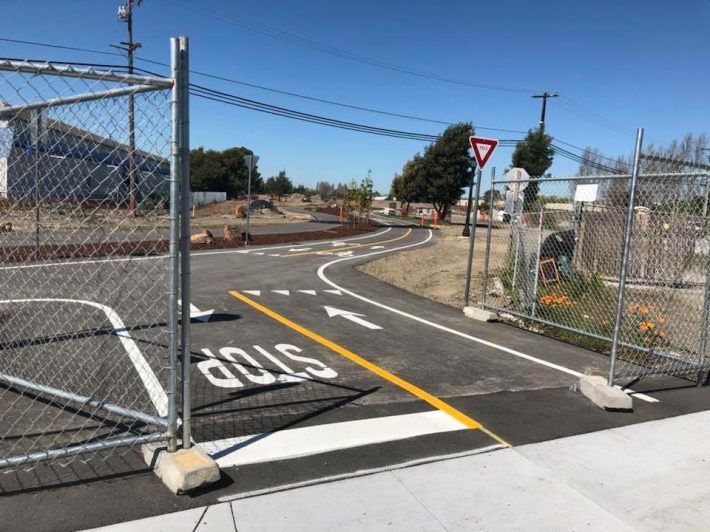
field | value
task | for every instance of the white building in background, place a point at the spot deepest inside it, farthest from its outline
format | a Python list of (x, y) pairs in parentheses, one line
[(72, 163)]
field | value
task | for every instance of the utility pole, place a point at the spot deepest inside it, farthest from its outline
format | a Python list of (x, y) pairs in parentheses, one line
[(125, 14), (545, 95)]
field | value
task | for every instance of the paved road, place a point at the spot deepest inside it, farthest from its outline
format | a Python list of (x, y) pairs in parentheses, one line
[(309, 368)]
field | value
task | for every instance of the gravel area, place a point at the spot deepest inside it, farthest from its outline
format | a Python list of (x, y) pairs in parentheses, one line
[(437, 272)]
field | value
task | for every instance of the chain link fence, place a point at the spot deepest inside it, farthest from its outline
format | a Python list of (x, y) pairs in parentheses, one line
[(616, 263), (89, 169)]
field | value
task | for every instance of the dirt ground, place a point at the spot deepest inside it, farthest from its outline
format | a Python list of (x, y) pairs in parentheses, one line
[(438, 272)]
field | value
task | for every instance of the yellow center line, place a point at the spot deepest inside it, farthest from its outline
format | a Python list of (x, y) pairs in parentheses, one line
[(397, 381), (356, 246)]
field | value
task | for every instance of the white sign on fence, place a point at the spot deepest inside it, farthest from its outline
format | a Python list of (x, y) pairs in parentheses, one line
[(586, 192)]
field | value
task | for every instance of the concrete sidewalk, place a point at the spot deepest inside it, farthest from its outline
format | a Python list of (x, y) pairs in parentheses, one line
[(650, 476)]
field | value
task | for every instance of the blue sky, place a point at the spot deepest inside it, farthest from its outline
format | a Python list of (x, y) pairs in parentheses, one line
[(632, 62)]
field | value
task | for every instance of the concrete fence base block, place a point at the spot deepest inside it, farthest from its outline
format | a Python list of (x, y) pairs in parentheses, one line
[(182, 471), (480, 314), (596, 389)]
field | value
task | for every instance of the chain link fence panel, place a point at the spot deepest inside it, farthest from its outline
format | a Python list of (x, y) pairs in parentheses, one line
[(554, 255), (85, 226)]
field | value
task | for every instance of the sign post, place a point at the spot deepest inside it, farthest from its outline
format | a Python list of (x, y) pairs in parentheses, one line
[(250, 161), (483, 149)]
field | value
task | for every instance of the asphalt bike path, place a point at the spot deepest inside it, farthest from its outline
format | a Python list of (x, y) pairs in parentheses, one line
[(305, 368)]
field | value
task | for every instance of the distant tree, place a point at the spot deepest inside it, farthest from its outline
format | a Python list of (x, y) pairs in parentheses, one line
[(485, 205), (535, 155), (364, 197), (222, 171), (207, 171), (686, 154), (325, 190), (409, 185), (342, 189), (349, 199), (305, 191), (279, 185), (446, 165)]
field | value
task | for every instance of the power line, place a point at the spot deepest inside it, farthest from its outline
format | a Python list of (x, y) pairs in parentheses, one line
[(231, 99), (264, 88), (566, 102), (275, 33), (581, 111), (237, 101), (254, 105), (583, 150), (59, 47)]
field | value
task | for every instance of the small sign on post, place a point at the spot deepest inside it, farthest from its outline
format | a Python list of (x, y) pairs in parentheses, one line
[(483, 148)]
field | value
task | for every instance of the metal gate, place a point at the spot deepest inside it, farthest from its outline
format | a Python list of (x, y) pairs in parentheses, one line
[(618, 263), (92, 163)]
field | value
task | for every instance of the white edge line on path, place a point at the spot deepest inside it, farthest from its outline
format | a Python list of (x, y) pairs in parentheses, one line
[(328, 437), (361, 473), (481, 341), (150, 381), (198, 254)]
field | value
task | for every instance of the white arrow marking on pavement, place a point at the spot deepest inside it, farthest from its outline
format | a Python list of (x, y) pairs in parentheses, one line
[(336, 292), (377, 247), (309, 292), (282, 292), (352, 316), (197, 314), (252, 292), (300, 249)]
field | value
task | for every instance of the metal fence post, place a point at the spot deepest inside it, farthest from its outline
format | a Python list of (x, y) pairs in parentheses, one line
[(487, 258), (183, 87), (472, 240), (704, 324), (36, 128), (173, 249), (625, 257), (537, 261)]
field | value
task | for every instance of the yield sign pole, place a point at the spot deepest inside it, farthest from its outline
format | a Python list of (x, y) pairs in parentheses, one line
[(483, 149)]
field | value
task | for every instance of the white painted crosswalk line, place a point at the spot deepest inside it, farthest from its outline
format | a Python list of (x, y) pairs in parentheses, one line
[(252, 292), (282, 292)]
